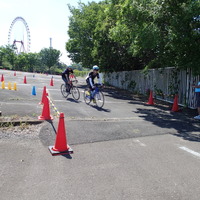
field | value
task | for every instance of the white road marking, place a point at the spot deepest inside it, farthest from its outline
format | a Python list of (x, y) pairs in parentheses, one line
[(53, 89), (140, 143), (190, 151)]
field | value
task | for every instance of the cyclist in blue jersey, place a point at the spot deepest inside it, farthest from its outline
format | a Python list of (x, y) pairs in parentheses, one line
[(90, 79)]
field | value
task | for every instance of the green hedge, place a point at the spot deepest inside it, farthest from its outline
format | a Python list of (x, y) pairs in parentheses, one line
[(80, 73)]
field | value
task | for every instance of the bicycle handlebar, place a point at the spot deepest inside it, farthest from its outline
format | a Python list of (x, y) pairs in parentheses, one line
[(98, 85), (74, 81)]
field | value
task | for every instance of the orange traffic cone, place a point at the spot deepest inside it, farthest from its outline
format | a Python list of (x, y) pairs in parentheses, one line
[(150, 102), (61, 146), (45, 111), (51, 83), (43, 95), (2, 78), (175, 104), (25, 80)]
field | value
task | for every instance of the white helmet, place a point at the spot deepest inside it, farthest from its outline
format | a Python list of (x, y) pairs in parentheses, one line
[(95, 67)]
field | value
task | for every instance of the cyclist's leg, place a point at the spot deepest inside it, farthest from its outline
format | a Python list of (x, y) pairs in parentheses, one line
[(92, 90), (89, 88), (69, 86), (66, 83)]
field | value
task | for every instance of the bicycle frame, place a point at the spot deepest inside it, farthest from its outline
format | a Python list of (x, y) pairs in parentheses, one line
[(96, 95), (71, 89), (71, 84)]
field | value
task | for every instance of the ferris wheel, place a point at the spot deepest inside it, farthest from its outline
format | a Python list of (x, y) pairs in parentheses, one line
[(19, 35)]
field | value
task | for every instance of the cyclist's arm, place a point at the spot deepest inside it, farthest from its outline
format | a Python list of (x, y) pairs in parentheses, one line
[(91, 83), (99, 79), (75, 77), (67, 77)]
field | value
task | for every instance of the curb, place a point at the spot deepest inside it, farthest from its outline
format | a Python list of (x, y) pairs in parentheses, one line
[(19, 122)]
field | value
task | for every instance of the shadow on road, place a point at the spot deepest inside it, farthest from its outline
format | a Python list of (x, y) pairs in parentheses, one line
[(100, 109), (186, 127), (72, 100), (47, 136), (180, 122)]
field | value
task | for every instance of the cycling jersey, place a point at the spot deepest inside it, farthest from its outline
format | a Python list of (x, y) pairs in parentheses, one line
[(66, 73), (90, 79)]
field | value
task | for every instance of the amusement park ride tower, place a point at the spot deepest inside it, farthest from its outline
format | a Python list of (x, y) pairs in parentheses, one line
[(22, 41)]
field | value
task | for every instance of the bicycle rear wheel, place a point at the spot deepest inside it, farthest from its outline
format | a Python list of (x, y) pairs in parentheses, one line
[(64, 90), (75, 93), (99, 97), (86, 96)]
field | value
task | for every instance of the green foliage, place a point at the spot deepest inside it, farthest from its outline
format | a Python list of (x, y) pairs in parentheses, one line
[(45, 61), (127, 35), (56, 70), (80, 73), (7, 54), (6, 65), (174, 82), (132, 85), (82, 33), (49, 57), (21, 62)]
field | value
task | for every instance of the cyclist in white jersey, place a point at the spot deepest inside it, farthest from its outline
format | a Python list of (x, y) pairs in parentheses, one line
[(90, 79)]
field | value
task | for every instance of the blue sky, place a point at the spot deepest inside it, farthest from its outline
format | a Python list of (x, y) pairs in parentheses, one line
[(45, 18)]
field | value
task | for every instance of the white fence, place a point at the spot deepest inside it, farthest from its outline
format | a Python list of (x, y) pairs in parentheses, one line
[(163, 82)]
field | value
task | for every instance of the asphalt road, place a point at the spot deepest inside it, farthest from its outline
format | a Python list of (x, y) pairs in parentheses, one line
[(127, 150)]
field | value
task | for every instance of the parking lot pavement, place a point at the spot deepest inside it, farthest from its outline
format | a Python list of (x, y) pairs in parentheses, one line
[(127, 150)]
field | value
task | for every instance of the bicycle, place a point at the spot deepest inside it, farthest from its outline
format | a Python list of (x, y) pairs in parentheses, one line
[(70, 89), (98, 96)]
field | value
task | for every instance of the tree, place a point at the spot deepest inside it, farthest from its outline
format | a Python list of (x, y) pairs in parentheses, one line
[(126, 34), (21, 62), (32, 61), (7, 54), (49, 57), (82, 31)]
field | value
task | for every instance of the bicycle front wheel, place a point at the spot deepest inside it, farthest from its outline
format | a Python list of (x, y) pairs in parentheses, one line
[(64, 90), (75, 93), (86, 96), (99, 97)]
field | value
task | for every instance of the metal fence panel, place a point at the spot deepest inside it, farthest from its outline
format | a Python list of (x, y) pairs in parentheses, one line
[(163, 82)]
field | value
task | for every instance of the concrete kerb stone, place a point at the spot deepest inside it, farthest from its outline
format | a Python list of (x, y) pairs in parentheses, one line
[(5, 121)]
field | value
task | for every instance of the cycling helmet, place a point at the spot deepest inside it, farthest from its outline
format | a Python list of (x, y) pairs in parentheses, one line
[(95, 67)]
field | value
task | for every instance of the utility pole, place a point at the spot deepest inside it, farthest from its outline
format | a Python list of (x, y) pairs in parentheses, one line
[(50, 43)]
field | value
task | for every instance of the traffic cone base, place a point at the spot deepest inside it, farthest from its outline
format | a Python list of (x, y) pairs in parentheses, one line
[(55, 152), (61, 147), (45, 118)]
